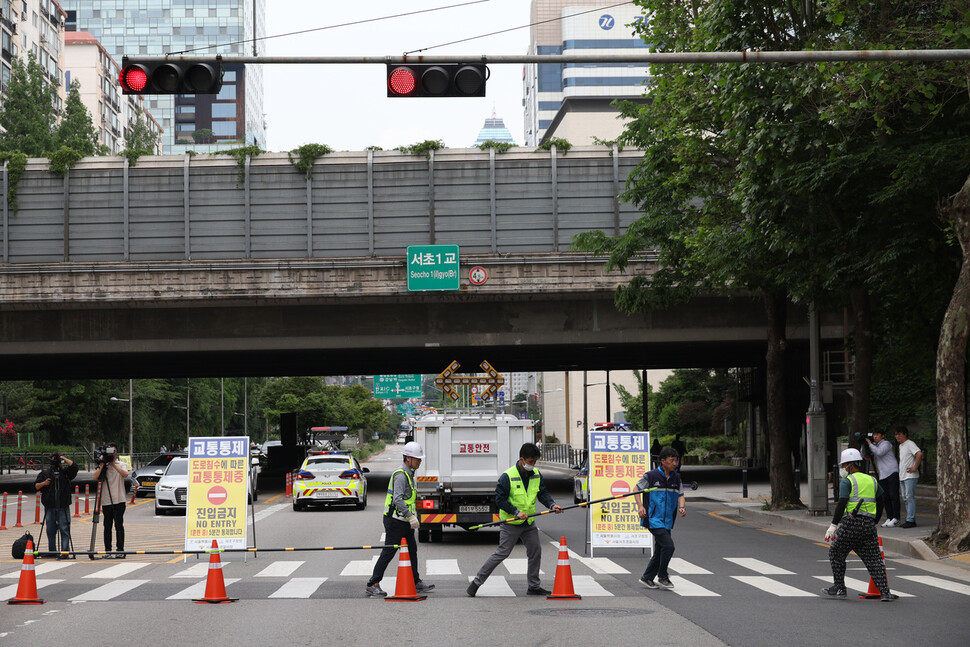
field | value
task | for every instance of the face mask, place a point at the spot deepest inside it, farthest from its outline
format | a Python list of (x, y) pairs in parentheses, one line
[(527, 467), (843, 472)]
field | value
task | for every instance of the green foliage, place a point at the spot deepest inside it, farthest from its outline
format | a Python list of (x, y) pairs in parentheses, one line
[(318, 404), (561, 145), (423, 148), (140, 137), (76, 129), (368, 450), (27, 114), (17, 162), (240, 155), (204, 136), (500, 147), (134, 153), (609, 143), (306, 155), (373, 148), (63, 159)]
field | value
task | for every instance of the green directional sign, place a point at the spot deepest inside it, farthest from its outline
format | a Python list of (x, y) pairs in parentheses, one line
[(433, 267), (397, 386)]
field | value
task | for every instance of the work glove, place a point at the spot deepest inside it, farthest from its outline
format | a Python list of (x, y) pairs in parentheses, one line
[(414, 521), (830, 533)]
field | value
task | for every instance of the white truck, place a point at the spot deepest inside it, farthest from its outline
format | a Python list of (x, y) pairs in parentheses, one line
[(464, 455)]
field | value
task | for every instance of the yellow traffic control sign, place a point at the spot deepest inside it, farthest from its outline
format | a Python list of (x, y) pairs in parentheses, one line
[(447, 380)]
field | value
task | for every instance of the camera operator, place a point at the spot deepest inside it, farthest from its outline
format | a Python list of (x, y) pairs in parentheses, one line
[(54, 484), (112, 473)]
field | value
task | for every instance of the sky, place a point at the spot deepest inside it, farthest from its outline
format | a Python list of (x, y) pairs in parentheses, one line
[(346, 106)]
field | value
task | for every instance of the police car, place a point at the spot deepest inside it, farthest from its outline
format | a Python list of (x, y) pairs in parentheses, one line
[(329, 478)]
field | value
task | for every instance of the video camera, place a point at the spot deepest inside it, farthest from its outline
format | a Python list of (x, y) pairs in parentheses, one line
[(105, 455)]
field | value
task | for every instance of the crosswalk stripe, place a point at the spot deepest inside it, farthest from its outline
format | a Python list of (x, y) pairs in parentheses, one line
[(265, 512), (938, 582), (197, 570), (359, 567), (684, 567), (441, 567), (117, 571), (283, 568), (10, 591), (494, 587), (109, 591), (773, 586), (758, 566), (861, 586), (587, 586), (41, 569), (197, 590), (599, 565), (299, 587), (518, 566), (688, 589)]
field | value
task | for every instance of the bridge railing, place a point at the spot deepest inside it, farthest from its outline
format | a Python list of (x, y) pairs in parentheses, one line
[(352, 204)]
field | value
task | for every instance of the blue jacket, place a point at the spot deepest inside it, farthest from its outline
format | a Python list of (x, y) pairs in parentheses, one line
[(661, 503)]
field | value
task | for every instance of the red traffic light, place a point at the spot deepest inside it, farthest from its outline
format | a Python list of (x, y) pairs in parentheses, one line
[(133, 78), (427, 80)]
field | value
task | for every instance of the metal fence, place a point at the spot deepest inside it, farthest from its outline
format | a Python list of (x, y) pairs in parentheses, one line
[(562, 454)]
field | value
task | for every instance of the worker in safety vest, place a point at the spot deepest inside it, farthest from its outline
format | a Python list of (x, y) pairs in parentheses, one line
[(854, 526), (400, 521), (516, 493)]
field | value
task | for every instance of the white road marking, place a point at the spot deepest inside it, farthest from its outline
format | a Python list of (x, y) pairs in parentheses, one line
[(360, 567), (688, 589), (8, 592), (109, 591), (299, 587), (441, 567), (684, 567), (41, 569), (198, 570), (937, 582), (587, 586), (265, 512), (116, 571), (758, 566), (862, 586), (599, 565), (280, 569), (518, 566), (494, 587), (774, 587), (197, 590)]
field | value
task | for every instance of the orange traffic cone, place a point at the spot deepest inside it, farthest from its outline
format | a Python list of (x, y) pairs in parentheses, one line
[(404, 590), (215, 585), (563, 587), (27, 588), (873, 592)]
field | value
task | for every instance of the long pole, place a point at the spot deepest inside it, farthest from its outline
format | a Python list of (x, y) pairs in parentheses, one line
[(584, 504)]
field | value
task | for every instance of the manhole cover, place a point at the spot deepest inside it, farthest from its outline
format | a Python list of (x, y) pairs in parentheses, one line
[(606, 613)]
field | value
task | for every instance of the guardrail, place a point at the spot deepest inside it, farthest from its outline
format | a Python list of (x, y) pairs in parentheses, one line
[(563, 454)]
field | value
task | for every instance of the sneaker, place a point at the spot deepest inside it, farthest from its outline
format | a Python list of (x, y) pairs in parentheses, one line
[(888, 597), (889, 523), (472, 589), (423, 587), (834, 591), (908, 524), (650, 584), (120, 555), (665, 583), (538, 591), (375, 591)]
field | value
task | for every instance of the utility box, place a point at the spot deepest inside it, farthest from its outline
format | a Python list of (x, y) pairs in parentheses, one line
[(464, 455)]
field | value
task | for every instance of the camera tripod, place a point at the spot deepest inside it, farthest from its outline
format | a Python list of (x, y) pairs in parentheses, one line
[(55, 472)]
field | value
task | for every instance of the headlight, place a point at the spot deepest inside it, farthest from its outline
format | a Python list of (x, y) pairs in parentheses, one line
[(165, 487)]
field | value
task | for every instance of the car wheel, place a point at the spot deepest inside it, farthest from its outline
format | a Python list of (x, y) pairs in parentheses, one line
[(255, 496), (362, 503), (436, 533), (159, 511), (424, 534), (297, 507)]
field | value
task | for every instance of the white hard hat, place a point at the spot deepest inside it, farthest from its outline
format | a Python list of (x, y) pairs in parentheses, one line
[(850, 456), (413, 450)]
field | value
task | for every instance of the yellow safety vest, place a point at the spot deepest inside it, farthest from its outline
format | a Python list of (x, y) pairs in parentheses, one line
[(863, 496), (522, 498), (411, 495)]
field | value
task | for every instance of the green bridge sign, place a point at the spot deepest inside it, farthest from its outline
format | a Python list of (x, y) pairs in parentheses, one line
[(433, 267)]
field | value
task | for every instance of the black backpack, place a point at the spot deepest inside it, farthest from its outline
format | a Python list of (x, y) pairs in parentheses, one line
[(20, 546)]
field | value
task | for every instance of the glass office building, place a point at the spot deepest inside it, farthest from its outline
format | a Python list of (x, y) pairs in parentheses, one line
[(192, 27), (569, 27), (494, 130)]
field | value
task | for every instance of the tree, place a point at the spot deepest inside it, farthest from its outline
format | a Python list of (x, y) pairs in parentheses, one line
[(203, 136), (140, 137), (76, 129), (27, 113)]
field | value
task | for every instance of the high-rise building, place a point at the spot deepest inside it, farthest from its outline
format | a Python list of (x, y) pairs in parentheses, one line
[(112, 113), (33, 27), (494, 130), (192, 27), (568, 27)]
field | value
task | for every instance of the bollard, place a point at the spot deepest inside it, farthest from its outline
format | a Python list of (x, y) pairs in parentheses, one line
[(134, 492), (37, 509), (744, 483), (87, 498), (20, 504), (3, 515), (289, 484), (77, 501)]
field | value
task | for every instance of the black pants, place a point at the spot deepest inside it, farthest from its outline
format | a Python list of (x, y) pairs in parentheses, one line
[(890, 495), (114, 515), (394, 531)]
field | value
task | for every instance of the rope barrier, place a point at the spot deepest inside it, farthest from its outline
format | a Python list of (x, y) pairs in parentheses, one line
[(207, 551)]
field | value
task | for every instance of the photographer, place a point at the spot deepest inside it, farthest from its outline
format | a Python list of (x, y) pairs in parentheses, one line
[(54, 484), (112, 474)]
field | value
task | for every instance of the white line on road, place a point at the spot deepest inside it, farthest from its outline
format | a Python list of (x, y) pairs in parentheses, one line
[(861, 586), (494, 587), (688, 589), (198, 570), (360, 567), (116, 571), (10, 591), (41, 569), (280, 569), (197, 590), (684, 567), (518, 566), (109, 591), (587, 586), (299, 587), (938, 582), (758, 566), (265, 512), (441, 567), (775, 588)]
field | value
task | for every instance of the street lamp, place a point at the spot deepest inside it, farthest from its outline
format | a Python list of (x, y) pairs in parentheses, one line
[(131, 417)]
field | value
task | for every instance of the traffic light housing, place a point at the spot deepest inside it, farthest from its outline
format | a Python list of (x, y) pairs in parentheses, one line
[(435, 80), (170, 77)]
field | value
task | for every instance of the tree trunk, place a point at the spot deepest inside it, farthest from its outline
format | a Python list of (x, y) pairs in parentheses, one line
[(953, 482), (783, 493), (862, 382)]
